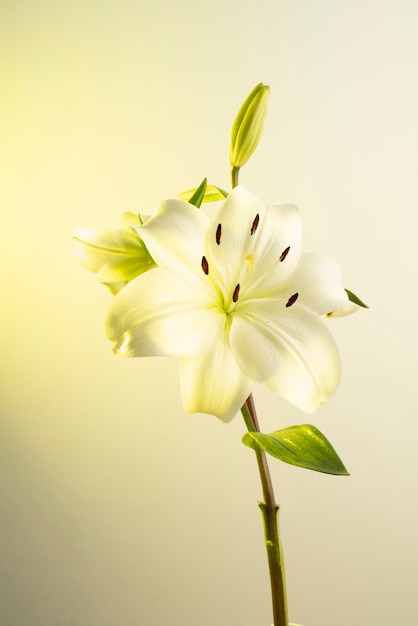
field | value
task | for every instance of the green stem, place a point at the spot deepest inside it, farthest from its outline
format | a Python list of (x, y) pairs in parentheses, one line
[(234, 176), (269, 510)]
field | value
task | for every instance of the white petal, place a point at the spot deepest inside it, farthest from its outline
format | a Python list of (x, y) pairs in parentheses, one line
[(308, 375), (156, 314), (254, 345), (175, 236), (124, 268), (317, 280), (278, 236), (229, 234), (253, 260), (126, 233), (346, 310), (290, 351), (93, 247), (214, 384)]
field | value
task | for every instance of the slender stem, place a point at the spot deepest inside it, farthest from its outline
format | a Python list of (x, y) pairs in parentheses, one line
[(234, 176), (269, 510)]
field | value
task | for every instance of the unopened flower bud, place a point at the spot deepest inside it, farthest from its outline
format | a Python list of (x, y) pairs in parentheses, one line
[(248, 125)]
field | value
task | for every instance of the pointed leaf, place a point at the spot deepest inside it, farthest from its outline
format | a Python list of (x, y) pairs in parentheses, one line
[(353, 298), (303, 446), (215, 193), (199, 194), (212, 194)]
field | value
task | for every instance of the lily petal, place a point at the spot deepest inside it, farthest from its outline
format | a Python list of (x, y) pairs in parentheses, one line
[(117, 257), (174, 236), (346, 310), (317, 280), (125, 232), (92, 247), (157, 314), (214, 383), (229, 234), (277, 248), (247, 241), (125, 268), (291, 352)]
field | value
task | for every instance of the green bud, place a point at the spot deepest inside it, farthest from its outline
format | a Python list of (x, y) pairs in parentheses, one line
[(248, 125)]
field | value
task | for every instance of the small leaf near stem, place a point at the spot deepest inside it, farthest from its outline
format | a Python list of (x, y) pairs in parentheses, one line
[(269, 510), (304, 446)]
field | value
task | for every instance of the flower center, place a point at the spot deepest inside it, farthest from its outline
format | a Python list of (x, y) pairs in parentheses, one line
[(229, 292)]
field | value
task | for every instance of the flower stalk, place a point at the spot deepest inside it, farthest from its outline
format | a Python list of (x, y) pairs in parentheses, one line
[(234, 176), (269, 509)]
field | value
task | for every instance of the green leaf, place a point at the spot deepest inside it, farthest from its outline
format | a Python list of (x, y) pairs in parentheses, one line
[(303, 446), (211, 194), (199, 194), (353, 298), (215, 193)]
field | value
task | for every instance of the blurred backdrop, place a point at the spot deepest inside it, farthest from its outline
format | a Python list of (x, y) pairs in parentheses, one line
[(117, 509)]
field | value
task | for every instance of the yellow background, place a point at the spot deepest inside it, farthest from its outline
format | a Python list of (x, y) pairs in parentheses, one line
[(117, 509)]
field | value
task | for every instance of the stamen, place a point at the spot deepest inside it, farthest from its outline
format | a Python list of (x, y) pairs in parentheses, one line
[(284, 254), (255, 224), (205, 265), (292, 299), (218, 234), (235, 295)]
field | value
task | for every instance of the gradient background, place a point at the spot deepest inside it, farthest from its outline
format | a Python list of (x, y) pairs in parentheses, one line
[(116, 508)]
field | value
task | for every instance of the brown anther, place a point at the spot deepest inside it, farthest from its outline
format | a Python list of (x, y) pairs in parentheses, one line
[(235, 295), (205, 265), (255, 224), (284, 254), (292, 299), (218, 234)]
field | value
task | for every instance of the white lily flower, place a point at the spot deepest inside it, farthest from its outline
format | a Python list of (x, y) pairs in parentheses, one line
[(117, 257), (233, 297)]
